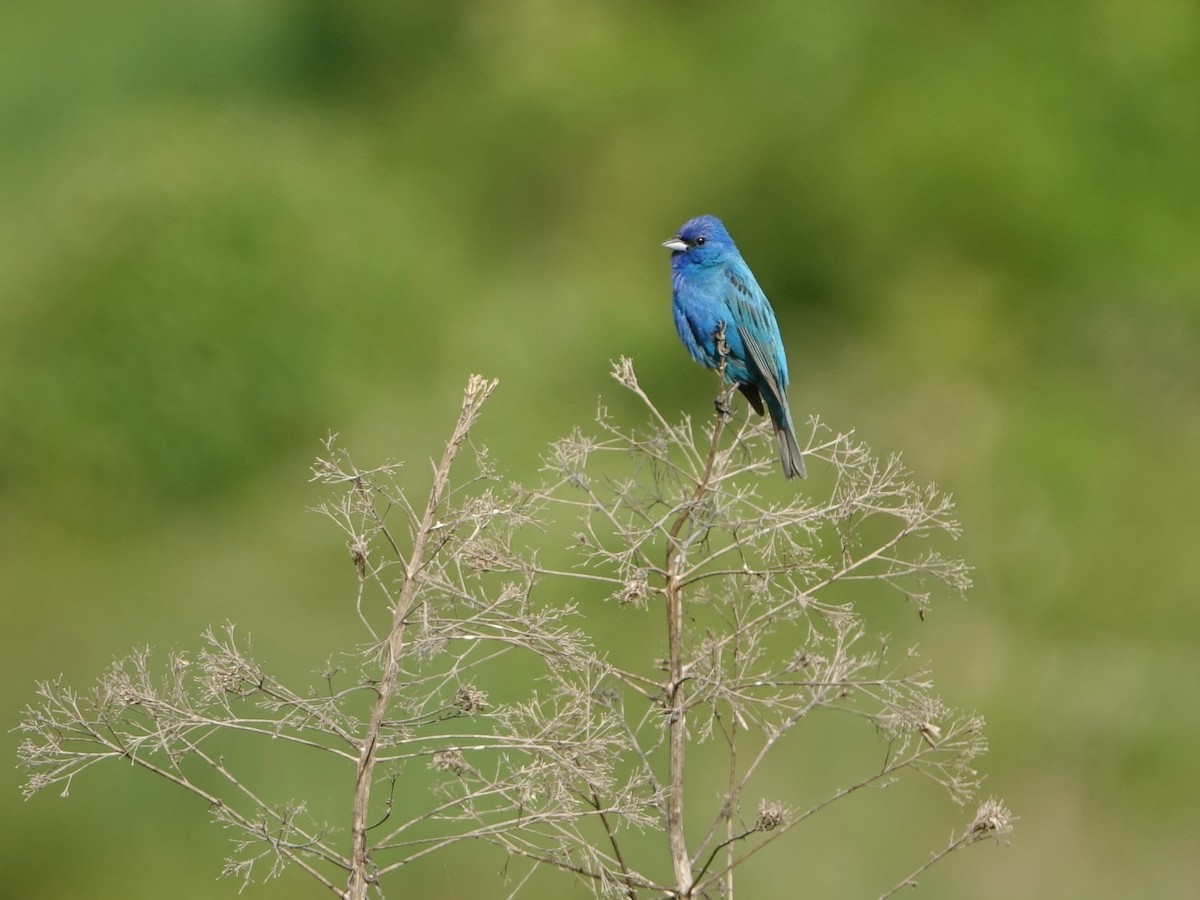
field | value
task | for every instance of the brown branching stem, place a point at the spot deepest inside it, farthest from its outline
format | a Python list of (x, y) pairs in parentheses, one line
[(673, 591), (361, 877), (594, 752)]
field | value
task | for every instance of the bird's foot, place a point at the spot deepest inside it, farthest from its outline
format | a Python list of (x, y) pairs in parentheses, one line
[(724, 403), (722, 348)]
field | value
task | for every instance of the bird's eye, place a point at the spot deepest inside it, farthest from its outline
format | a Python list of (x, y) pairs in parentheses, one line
[(700, 241)]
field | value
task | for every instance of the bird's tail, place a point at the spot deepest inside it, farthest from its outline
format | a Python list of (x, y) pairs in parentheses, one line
[(789, 451)]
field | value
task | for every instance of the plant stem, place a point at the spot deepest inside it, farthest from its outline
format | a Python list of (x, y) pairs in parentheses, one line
[(675, 696), (477, 392)]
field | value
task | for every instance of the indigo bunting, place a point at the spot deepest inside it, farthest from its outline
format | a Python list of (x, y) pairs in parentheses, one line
[(713, 290)]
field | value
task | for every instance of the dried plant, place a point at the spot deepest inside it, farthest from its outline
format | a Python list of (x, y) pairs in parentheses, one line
[(584, 769)]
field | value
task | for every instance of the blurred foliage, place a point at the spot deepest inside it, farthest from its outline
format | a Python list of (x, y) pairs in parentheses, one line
[(228, 227)]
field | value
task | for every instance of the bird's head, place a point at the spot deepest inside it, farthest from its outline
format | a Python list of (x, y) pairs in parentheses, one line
[(702, 241)]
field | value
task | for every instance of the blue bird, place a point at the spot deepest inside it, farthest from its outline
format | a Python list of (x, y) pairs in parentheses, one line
[(711, 287)]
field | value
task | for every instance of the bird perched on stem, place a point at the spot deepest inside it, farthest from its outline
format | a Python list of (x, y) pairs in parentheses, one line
[(725, 321)]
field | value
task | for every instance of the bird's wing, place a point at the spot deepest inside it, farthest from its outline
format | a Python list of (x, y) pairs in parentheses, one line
[(763, 360), (759, 332)]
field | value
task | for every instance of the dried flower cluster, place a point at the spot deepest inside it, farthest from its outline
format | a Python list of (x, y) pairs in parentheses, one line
[(581, 766)]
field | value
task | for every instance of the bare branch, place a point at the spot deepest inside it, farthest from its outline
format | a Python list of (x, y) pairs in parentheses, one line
[(768, 605)]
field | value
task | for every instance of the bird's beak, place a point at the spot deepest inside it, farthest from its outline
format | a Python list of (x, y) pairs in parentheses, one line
[(675, 244)]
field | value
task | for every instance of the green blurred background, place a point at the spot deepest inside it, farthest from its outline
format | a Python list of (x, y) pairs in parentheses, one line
[(229, 227)]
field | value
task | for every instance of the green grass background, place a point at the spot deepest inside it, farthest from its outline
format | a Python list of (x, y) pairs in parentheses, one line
[(227, 228)]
